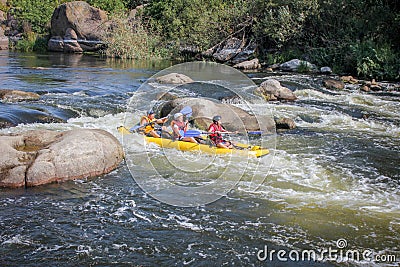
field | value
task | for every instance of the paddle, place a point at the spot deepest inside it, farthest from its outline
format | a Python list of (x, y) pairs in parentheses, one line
[(193, 133), (187, 111)]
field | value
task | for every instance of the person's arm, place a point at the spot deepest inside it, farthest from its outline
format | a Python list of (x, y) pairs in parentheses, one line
[(186, 126), (175, 128), (162, 120), (143, 122)]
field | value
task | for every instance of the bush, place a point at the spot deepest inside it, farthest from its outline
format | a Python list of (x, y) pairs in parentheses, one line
[(278, 22), (199, 23), (129, 39), (373, 61), (110, 6), (4, 7), (27, 43), (31, 42)]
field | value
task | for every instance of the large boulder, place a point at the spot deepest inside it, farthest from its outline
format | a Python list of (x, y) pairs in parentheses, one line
[(76, 27), (233, 118), (272, 90), (40, 157), (297, 65)]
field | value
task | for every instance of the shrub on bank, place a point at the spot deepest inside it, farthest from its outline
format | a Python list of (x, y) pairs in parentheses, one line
[(127, 38)]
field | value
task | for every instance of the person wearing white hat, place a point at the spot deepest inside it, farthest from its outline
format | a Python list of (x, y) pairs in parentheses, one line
[(179, 127)]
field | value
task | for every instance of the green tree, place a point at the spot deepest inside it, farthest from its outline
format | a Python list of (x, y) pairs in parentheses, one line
[(34, 14), (197, 22), (278, 22)]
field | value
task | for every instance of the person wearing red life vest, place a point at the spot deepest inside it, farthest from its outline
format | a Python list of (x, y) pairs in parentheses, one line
[(179, 127), (215, 129)]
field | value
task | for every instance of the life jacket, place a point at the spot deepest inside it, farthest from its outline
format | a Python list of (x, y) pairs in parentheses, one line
[(150, 124), (181, 127), (216, 138)]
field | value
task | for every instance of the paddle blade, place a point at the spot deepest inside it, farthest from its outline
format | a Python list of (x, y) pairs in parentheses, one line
[(187, 111), (255, 132), (192, 133)]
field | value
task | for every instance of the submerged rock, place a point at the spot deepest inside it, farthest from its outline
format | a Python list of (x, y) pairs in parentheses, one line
[(233, 118), (40, 157), (285, 123), (333, 84), (16, 95), (349, 79), (272, 90)]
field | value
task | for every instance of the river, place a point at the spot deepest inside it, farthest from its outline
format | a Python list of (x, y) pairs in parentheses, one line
[(329, 189)]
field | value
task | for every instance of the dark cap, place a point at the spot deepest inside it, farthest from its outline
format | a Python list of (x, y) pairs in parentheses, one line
[(216, 118)]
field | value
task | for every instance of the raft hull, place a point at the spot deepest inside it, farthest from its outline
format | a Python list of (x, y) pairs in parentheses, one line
[(241, 149)]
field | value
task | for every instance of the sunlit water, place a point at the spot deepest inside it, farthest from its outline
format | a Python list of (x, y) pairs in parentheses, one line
[(334, 177)]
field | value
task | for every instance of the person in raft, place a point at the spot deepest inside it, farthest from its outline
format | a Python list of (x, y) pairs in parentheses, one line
[(215, 129), (179, 127), (148, 122)]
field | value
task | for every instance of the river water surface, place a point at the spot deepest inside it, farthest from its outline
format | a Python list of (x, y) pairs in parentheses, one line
[(334, 182)]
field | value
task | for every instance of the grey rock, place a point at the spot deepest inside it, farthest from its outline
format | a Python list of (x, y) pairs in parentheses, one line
[(295, 64), (326, 70), (233, 118), (84, 19), (248, 65), (174, 78), (285, 123), (70, 34), (333, 84), (56, 44), (229, 50), (16, 95), (72, 46), (40, 157), (80, 26), (272, 90)]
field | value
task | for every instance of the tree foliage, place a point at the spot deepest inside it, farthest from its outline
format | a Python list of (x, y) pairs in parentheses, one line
[(200, 23), (34, 14), (355, 36)]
